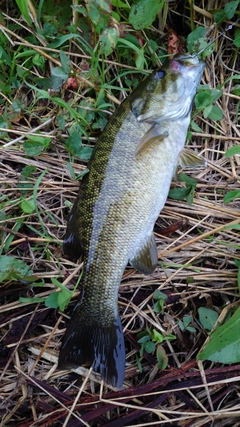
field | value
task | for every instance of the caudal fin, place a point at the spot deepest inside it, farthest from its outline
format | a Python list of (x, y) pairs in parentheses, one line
[(90, 342)]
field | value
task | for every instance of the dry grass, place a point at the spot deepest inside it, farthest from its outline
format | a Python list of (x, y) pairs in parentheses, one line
[(196, 269)]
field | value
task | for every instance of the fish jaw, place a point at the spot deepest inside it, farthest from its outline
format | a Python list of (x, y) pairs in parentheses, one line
[(169, 91)]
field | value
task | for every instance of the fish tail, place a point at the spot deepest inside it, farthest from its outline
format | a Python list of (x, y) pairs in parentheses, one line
[(90, 341)]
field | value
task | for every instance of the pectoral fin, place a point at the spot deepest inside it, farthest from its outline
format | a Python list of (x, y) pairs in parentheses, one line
[(146, 260), (189, 159), (153, 135)]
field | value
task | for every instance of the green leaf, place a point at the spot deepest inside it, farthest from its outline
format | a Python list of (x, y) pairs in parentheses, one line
[(64, 298), (31, 300), (144, 338), (203, 98), (5, 57), (28, 206), (38, 60), (61, 122), (23, 6), (233, 151), (35, 144), (207, 317), (195, 127), (27, 171), (184, 192), (143, 13), (99, 13), (231, 195), (65, 61), (213, 112), (230, 9), (139, 364), (187, 179), (12, 268), (74, 143), (236, 40), (149, 347), (157, 336), (160, 297), (162, 357), (158, 294), (52, 300), (58, 72), (108, 40), (237, 263), (193, 38), (75, 147), (119, 3), (140, 59), (178, 193), (224, 345)]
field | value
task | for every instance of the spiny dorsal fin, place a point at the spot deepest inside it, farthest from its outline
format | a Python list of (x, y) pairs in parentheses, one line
[(146, 260)]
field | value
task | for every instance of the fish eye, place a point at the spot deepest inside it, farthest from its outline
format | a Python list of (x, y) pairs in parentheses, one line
[(160, 74)]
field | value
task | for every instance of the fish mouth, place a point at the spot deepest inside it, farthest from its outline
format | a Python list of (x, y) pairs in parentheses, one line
[(190, 61)]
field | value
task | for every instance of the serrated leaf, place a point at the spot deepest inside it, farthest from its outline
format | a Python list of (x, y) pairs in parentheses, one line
[(35, 144), (12, 268), (207, 317), (224, 345), (143, 13)]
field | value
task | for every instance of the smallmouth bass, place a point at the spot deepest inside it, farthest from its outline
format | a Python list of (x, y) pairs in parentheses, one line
[(119, 200)]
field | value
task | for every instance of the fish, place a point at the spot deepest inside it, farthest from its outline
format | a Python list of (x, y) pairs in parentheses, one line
[(119, 200)]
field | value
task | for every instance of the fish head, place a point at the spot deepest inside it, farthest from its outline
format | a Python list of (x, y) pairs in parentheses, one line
[(168, 93)]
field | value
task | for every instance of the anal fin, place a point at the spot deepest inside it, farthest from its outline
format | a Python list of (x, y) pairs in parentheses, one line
[(146, 260)]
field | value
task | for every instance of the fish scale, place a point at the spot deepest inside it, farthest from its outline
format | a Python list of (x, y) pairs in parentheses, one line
[(119, 200)]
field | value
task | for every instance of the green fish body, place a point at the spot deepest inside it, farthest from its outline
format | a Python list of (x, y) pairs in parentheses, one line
[(119, 200)]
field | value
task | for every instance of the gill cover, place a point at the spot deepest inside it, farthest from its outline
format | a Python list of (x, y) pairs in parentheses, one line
[(167, 94)]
